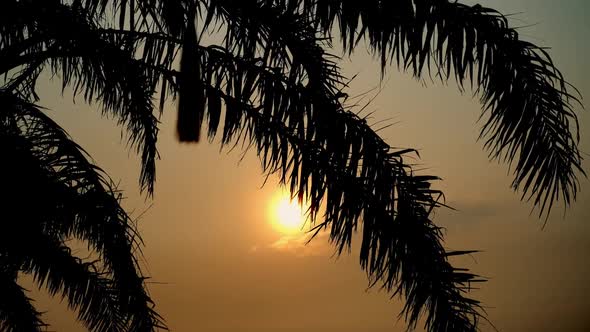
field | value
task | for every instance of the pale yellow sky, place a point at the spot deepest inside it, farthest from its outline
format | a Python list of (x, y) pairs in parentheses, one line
[(209, 213)]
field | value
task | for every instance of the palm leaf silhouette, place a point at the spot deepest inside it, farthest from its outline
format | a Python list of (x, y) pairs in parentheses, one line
[(271, 85), (71, 199)]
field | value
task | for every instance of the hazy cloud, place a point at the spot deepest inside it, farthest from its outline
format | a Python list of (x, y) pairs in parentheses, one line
[(299, 245)]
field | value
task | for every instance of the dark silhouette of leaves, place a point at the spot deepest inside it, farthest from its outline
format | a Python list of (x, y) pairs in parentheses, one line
[(53, 194), (270, 84)]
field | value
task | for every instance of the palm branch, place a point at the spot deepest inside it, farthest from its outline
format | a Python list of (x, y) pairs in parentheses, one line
[(16, 310), (279, 91), (97, 68), (529, 108), (71, 199)]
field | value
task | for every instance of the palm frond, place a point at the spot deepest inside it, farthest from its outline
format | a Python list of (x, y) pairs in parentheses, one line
[(280, 37), (17, 312), (74, 200), (328, 154), (278, 90), (531, 120), (96, 67), (52, 266)]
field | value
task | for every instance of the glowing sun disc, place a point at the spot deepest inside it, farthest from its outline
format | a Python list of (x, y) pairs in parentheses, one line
[(287, 216)]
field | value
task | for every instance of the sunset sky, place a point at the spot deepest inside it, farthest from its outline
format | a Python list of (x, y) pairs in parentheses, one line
[(217, 262)]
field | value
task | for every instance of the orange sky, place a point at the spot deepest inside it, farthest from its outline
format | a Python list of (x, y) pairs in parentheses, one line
[(218, 265)]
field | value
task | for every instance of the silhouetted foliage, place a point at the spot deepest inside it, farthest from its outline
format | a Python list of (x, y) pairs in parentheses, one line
[(272, 85), (52, 193)]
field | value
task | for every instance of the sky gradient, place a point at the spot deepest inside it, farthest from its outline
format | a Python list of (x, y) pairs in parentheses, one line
[(216, 263)]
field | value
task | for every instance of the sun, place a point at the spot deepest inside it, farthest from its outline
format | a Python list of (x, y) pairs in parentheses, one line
[(286, 215)]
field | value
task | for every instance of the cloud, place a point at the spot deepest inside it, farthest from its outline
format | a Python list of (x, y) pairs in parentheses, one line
[(299, 245)]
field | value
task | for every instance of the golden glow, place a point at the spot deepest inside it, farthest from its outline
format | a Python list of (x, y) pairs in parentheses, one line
[(286, 215)]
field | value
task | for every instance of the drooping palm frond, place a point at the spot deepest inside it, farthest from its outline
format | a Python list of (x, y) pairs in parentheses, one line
[(341, 161), (530, 121), (519, 85), (529, 108), (52, 266), (275, 35), (71, 199), (277, 89), (309, 160), (320, 150), (99, 68), (16, 310)]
